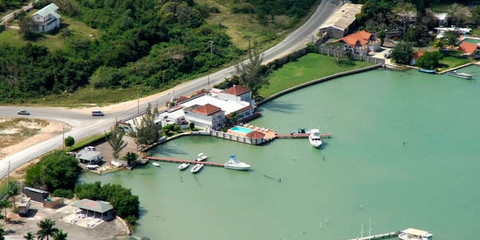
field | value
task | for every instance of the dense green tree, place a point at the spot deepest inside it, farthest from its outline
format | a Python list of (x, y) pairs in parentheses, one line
[(452, 37), (69, 141), (115, 140), (27, 27), (47, 229), (130, 158), (54, 171), (2, 233), (63, 193), (402, 53), (429, 60), (4, 205)]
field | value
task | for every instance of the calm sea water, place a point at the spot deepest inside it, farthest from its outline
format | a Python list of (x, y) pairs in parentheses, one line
[(404, 153)]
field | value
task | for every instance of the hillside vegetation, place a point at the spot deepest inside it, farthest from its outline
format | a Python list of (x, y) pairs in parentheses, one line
[(142, 45)]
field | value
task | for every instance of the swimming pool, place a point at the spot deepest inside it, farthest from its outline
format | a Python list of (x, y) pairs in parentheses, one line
[(241, 129)]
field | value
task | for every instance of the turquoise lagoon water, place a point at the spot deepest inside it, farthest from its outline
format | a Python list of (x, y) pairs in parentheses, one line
[(241, 129), (405, 153)]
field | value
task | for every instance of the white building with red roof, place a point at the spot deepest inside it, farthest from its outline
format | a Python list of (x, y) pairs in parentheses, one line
[(361, 42), (209, 110)]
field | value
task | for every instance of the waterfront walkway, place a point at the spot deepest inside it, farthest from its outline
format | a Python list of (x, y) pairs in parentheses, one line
[(185, 161)]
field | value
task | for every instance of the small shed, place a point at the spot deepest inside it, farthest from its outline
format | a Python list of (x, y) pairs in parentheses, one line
[(89, 156), (53, 202), (35, 194), (24, 206), (97, 208)]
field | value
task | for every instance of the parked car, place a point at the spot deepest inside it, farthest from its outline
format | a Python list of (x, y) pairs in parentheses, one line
[(97, 113), (23, 112), (388, 54)]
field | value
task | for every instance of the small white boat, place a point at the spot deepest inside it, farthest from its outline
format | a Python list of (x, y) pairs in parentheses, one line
[(415, 234), (183, 166), (460, 74), (314, 138), (156, 164), (196, 168), (234, 164), (92, 167), (201, 157)]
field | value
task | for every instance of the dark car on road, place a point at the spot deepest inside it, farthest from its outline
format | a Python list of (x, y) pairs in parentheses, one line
[(23, 112), (97, 113)]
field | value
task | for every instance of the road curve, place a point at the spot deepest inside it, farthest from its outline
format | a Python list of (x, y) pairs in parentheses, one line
[(84, 125)]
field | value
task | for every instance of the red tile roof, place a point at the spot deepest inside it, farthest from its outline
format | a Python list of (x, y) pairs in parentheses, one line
[(468, 48), (255, 135), (207, 109), (241, 110), (416, 55), (360, 37), (182, 98), (237, 90)]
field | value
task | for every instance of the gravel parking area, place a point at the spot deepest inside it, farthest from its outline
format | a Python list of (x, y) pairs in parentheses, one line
[(105, 230)]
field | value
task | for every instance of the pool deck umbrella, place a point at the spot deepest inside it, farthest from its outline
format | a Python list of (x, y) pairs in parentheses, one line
[(94, 206)]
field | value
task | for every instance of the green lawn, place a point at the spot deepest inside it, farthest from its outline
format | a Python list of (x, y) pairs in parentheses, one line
[(307, 68), (51, 41), (451, 60)]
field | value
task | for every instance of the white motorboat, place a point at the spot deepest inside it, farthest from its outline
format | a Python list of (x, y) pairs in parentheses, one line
[(460, 74), (415, 234), (196, 168), (234, 164), (156, 164), (183, 166), (314, 138), (201, 157)]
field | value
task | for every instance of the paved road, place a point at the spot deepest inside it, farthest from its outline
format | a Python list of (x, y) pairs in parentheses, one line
[(84, 125)]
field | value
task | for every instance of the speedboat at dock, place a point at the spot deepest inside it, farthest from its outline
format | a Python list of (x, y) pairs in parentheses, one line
[(460, 74), (415, 234), (314, 138), (196, 168), (234, 164), (201, 157), (183, 166)]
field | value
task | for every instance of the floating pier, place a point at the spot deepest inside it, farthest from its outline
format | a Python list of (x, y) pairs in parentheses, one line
[(379, 236), (301, 136), (185, 161)]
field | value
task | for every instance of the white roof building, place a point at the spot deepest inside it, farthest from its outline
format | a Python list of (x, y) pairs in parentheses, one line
[(340, 21)]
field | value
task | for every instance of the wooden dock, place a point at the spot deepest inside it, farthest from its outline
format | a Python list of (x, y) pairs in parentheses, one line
[(185, 161), (301, 136), (379, 236)]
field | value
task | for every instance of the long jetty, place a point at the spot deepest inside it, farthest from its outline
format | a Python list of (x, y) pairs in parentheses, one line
[(185, 161), (379, 236), (301, 136)]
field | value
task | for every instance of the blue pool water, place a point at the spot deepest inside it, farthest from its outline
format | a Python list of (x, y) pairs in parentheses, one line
[(241, 129)]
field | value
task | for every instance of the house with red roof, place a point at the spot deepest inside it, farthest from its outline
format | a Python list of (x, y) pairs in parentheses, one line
[(361, 42), (205, 116), (468, 48), (237, 93), (415, 57)]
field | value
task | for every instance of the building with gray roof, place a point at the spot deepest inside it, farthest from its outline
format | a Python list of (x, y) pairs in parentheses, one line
[(47, 18)]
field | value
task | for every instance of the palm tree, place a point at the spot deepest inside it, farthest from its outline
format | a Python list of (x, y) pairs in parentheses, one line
[(47, 229), (2, 233), (29, 236), (5, 204), (13, 191), (60, 235)]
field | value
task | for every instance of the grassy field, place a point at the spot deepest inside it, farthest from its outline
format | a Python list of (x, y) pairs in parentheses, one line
[(451, 60), (51, 41), (307, 68), (243, 28)]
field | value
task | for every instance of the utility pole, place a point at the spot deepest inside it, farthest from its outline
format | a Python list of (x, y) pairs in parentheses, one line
[(211, 49), (63, 137)]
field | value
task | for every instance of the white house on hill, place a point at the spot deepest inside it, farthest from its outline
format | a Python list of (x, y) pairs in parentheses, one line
[(47, 19)]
